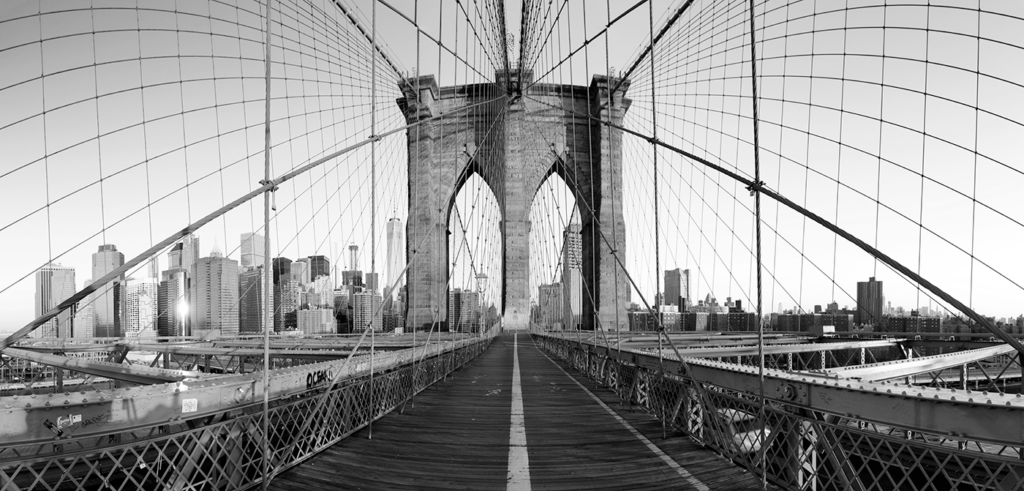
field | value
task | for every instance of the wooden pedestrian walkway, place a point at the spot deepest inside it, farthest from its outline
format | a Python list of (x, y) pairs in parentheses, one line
[(457, 436)]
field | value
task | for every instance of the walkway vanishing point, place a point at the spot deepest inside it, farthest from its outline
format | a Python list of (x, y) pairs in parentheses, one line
[(516, 419)]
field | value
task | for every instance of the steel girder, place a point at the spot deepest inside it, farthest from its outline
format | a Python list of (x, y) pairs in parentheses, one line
[(129, 373), (902, 368), (781, 349), (990, 417), (93, 414)]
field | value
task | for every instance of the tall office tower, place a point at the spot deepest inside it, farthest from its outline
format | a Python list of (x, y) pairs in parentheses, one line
[(366, 312), (353, 257), (352, 278), (184, 253), (85, 317), (253, 250), (283, 286), (153, 268), (323, 293), (677, 285), (301, 271), (319, 266), (54, 284), (572, 277), (213, 296), (371, 282), (172, 304), (396, 248), (142, 303), (342, 307), (282, 269), (870, 298), (551, 309), (107, 301), (252, 296), (317, 321), (463, 310)]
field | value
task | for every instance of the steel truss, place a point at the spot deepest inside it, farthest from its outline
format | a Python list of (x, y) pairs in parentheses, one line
[(807, 448), (223, 450)]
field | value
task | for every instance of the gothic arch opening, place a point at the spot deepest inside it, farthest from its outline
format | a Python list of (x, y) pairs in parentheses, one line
[(475, 263), (555, 254)]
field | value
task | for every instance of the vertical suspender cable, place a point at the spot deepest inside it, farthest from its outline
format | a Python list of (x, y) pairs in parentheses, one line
[(654, 148), (756, 190), (657, 240), (373, 200), (266, 261)]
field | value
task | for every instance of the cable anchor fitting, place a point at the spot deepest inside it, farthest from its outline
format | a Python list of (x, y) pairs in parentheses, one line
[(755, 187), (273, 192)]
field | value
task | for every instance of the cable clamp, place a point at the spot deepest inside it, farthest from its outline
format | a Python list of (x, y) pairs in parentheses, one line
[(755, 187), (273, 193), (375, 138), (267, 183)]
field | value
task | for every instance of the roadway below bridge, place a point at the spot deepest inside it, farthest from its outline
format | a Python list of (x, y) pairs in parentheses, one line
[(489, 427)]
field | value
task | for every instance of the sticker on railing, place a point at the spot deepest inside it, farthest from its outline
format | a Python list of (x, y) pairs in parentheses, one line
[(189, 405)]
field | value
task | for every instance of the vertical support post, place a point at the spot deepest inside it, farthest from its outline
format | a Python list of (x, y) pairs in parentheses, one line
[(373, 201), (755, 189), (266, 261)]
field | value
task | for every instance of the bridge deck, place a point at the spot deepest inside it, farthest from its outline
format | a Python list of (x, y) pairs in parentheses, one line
[(457, 436)]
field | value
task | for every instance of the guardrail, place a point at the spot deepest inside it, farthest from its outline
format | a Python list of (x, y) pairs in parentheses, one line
[(804, 447), (224, 449)]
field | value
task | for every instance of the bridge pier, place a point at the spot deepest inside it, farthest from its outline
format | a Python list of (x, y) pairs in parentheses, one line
[(514, 142)]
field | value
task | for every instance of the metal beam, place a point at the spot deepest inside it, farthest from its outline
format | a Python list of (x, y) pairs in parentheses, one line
[(987, 417), (904, 368), (138, 374), (780, 349)]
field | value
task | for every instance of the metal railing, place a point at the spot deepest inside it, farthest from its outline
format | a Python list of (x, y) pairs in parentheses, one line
[(224, 450), (804, 449)]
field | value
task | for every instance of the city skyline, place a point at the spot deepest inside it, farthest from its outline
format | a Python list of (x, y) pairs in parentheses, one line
[(141, 182)]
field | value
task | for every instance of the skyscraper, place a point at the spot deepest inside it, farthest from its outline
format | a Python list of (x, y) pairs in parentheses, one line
[(141, 307), (153, 268), (677, 285), (301, 271), (319, 266), (366, 312), (251, 297), (107, 300), (54, 284), (462, 310), (572, 276), (85, 317), (172, 304), (184, 253), (550, 304), (253, 250), (396, 248), (353, 257), (214, 295), (870, 298)]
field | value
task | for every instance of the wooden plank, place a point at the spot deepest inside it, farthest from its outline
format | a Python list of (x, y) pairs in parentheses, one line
[(456, 436)]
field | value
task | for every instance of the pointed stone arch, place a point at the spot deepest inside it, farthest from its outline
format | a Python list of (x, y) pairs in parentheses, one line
[(517, 143)]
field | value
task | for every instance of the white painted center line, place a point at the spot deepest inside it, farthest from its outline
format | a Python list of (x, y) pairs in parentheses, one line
[(654, 448), (518, 458)]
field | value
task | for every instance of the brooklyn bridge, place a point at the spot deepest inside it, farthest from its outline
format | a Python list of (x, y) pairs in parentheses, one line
[(478, 244)]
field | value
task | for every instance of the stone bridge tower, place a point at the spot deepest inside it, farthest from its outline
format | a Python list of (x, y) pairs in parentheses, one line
[(514, 140)]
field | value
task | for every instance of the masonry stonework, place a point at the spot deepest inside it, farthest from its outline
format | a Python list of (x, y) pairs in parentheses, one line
[(515, 141)]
